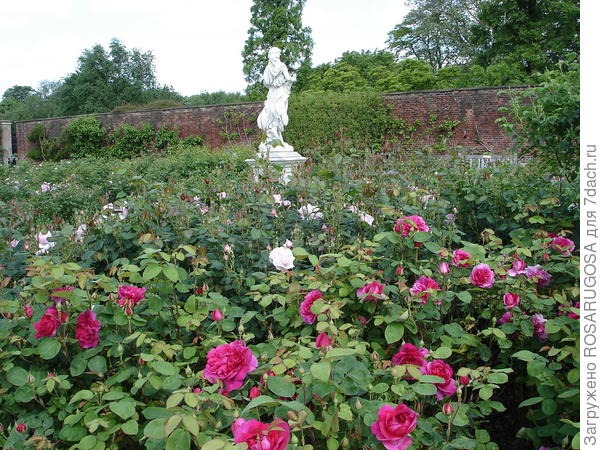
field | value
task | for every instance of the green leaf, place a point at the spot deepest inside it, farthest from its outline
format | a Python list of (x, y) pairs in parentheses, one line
[(497, 378), (281, 386), (88, 442), (530, 401), (82, 395), (164, 368), (48, 348), (525, 355), (78, 365), (394, 332), (464, 296), (174, 400), (151, 271), (171, 273), (97, 364), (339, 353), (321, 370), (172, 423), (130, 427), (424, 388), (123, 408), (431, 379), (191, 424), (155, 429), (485, 393), (442, 353), (549, 406), (17, 376), (421, 236), (259, 401)]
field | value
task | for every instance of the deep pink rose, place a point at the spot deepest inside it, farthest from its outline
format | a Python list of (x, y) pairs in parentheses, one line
[(422, 286), (57, 299), (540, 276), (393, 425), (506, 317), (28, 311), (230, 363), (49, 323), (261, 436), (447, 409), (305, 306), (482, 276), (511, 300), (539, 329), (254, 392), (217, 315), (459, 258), (87, 331), (563, 245), (443, 268), (372, 291), (410, 354), (464, 380), (323, 340), (21, 428), (408, 224), (440, 369), (129, 296), (518, 266), (571, 314)]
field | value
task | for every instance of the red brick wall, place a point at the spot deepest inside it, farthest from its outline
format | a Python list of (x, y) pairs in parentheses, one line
[(475, 108)]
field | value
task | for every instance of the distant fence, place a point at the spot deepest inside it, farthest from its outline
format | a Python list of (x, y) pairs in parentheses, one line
[(474, 109)]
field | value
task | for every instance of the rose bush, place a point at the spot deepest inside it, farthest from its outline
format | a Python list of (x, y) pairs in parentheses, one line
[(152, 336)]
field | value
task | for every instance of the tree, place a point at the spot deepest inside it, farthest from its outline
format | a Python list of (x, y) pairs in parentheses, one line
[(104, 80), (276, 23), (436, 31), (533, 34), (19, 93)]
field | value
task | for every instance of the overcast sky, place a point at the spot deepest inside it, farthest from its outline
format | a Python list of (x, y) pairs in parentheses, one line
[(197, 44)]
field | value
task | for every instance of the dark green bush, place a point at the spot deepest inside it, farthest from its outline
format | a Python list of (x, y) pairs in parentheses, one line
[(192, 141), (82, 137), (127, 141), (45, 148), (319, 120), (166, 137)]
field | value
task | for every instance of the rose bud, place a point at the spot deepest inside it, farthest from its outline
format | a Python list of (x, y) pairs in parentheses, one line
[(254, 392), (399, 270), (21, 428), (28, 311), (464, 380), (197, 390), (447, 409), (444, 268), (217, 315)]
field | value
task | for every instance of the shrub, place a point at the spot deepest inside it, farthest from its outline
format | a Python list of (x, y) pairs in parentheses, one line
[(127, 141), (544, 121), (166, 137), (83, 136), (192, 141)]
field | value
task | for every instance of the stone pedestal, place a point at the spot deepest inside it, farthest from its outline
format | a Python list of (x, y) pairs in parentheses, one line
[(6, 144), (282, 156)]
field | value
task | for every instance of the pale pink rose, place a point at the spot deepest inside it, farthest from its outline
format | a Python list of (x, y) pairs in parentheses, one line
[(13, 243), (227, 249), (393, 426), (443, 268), (282, 258), (261, 436), (423, 288), (511, 300), (222, 195), (281, 202), (230, 363), (482, 276), (372, 291), (323, 340), (310, 212), (309, 299), (43, 243), (409, 224), (80, 232), (460, 258), (440, 369), (288, 244)]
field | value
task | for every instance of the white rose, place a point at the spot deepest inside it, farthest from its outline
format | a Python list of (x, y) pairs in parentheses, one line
[(282, 258), (309, 212)]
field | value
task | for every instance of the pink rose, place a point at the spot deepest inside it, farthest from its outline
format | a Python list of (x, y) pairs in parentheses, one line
[(517, 268), (408, 224), (571, 314), (409, 354), (21, 428), (217, 315), (393, 425), (540, 276), (254, 392), (323, 340), (443, 268), (129, 296), (309, 299), (87, 331), (482, 276), (539, 329), (506, 317), (28, 311), (57, 299), (563, 245), (372, 291), (261, 436), (440, 369), (423, 288), (49, 323), (447, 409), (230, 363), (511, 300), (459, 257), (464, 380)]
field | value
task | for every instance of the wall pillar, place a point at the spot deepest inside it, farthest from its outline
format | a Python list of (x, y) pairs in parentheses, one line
[(6, 144)]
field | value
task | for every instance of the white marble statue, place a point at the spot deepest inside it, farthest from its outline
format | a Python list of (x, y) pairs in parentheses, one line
[(273, 118)]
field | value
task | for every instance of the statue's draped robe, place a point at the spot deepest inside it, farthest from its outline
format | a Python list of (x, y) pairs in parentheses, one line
[(273, 118)]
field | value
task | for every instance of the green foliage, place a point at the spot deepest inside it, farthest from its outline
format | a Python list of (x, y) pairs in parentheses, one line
[(154, 104), (166, 137), (126, 141), (544, 121), (18, 93), (44, 147), (82, 137), (360, 120), (436, 31), (534, 35), (276, 23), (215, 98)]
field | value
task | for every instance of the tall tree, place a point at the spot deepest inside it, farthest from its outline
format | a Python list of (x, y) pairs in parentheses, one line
[(276, 23), (18, 93), (534, 34), (105, 79), (436, 31)]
